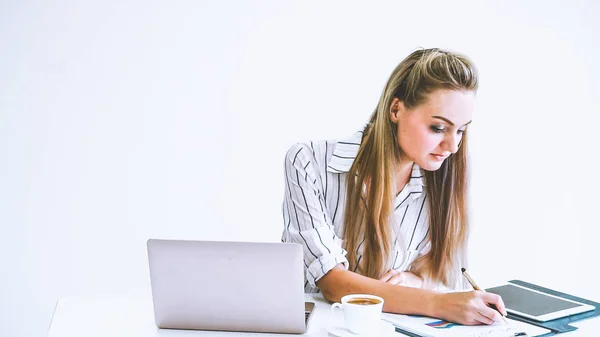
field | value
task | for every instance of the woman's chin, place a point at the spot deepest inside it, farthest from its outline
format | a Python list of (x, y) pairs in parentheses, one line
[(431, 165)]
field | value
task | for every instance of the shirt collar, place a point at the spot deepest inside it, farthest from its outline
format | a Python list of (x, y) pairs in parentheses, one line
[(416, 182), (345, 152)]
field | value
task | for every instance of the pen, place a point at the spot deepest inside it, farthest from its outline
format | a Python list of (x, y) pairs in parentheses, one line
[(476, 287)]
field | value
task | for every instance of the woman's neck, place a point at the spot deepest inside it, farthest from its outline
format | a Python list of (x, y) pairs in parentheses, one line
[(402, 174)]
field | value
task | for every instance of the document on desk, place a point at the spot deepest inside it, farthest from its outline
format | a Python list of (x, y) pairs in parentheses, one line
[(434, 327)]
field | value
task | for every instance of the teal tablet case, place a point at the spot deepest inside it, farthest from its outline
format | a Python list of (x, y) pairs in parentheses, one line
[(558, 325)]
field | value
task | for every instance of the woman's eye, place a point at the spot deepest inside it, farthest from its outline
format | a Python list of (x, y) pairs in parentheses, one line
[(460, 132), (437, 128)]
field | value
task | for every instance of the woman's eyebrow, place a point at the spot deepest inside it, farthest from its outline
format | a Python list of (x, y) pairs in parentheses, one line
[(448, 121)]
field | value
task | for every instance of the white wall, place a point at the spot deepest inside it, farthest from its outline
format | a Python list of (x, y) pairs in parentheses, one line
[(124, 120)]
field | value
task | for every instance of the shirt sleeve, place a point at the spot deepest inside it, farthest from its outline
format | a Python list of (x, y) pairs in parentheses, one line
[(306, 219)]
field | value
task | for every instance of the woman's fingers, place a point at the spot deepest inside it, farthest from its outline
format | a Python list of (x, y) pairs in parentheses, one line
[(397, 279), (496, 301), (488, 315), (471, 308), (387, 276), (413, 280), (489, 308), (404, 278), (391, 276)]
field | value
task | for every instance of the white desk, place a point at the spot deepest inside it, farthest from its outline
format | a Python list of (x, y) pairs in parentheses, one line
[(129, 316)]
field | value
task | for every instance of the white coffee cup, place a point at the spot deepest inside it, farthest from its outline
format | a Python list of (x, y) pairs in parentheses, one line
[(362, 312)]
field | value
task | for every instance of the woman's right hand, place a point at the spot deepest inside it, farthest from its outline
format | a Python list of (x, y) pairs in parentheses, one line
[(470, 307)]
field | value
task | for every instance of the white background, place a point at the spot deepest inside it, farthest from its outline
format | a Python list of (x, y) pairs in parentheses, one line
[(126, 120)]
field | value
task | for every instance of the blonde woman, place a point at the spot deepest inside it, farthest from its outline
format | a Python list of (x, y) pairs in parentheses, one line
[(384, 212)]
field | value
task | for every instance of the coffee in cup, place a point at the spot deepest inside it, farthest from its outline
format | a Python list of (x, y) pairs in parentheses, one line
[(364, 301), (362, 312)]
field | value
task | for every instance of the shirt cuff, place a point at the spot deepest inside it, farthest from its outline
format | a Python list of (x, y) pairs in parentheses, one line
[(319, 267)]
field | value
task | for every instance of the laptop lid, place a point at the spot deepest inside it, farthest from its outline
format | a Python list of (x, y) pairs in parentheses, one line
[(228, 286)]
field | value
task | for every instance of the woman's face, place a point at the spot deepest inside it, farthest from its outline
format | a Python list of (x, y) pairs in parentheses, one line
[(431, 132)]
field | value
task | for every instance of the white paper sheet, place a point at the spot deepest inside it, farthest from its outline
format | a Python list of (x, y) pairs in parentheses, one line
[(434, 327)]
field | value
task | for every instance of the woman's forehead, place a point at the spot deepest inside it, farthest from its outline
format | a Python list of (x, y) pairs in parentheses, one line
[(455, 106)]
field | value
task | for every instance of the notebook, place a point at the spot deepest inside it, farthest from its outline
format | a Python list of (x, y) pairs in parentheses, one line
[(228, 286)]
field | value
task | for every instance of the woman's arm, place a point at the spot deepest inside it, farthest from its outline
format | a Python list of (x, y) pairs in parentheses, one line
[(339, 282), (306, 218), (468, 308)]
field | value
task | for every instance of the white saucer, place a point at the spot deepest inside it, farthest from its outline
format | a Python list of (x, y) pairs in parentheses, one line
[(385, 329)]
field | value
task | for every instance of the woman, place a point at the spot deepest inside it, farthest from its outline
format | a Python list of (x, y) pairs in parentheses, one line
[(385, 211)]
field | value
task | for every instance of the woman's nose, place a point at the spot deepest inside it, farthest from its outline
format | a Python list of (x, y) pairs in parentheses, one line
[(451, 143)]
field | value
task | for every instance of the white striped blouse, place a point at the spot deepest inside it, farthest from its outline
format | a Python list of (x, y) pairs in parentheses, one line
[(314, 202)]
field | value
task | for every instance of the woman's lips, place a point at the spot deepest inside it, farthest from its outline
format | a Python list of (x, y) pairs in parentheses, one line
[(439, 157)]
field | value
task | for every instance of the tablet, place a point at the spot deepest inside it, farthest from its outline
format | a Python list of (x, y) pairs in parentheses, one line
[(536, 305)]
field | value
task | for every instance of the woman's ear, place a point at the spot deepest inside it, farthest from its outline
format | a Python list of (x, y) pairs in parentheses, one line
[(396, 109)]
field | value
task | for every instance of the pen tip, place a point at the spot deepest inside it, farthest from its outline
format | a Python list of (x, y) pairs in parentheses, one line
[(462, 269)]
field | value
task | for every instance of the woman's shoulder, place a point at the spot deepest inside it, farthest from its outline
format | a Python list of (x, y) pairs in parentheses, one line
[(326, 146), (332, 154), (308, 150), (312, 145)]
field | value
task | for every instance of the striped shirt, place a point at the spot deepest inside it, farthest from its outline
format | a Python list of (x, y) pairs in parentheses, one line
[(314, 202)]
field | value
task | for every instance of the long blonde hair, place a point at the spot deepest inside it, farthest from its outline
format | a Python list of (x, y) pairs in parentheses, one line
[(368, 209)]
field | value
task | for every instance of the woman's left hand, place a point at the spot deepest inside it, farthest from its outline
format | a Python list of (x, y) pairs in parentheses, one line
[(403, 278)]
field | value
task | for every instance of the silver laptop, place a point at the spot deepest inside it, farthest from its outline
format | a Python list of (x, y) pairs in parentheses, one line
[(228, 286)]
